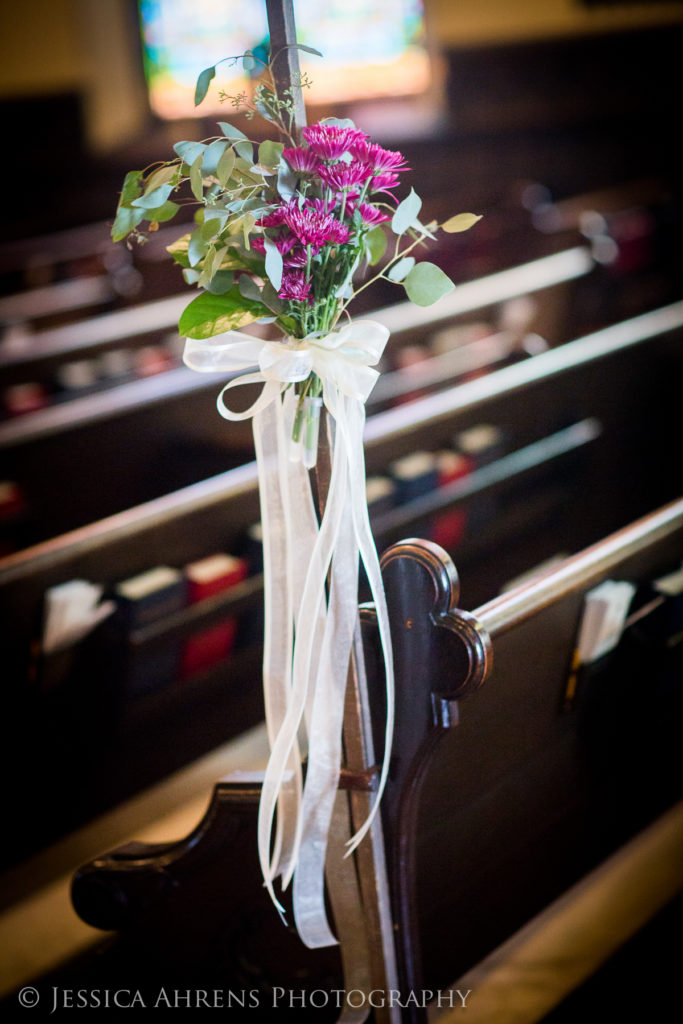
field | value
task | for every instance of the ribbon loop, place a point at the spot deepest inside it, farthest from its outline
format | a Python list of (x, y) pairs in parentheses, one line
[(307, 635)]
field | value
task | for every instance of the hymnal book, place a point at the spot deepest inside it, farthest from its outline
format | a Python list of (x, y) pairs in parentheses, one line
[(151, 596), (482, 444), (142, 600), (448, 527), (414, 475), (213, 644), (380, 492), (602, 623)]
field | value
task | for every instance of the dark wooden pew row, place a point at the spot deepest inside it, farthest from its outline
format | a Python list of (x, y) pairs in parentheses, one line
[(503, 792), (573, 419), (156, 433)]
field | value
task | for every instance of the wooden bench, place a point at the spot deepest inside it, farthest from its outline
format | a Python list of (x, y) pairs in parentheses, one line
[(570, 433), (155, 434), (505, 788)]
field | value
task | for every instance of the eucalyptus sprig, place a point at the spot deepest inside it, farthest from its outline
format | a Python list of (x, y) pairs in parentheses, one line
[(283, 234)]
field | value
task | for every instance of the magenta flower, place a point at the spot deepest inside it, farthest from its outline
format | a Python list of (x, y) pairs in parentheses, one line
[(384, 182), (378, 158), (344, 176), (330, 142), (272, 220), (370, 214), (312, 226), (303, 161), (284, 243), (295, 287), (296, 257)]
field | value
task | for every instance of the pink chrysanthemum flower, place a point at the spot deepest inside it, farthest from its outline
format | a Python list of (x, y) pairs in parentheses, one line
[(378, 158), (303, 161), (312, 226), (284, 243), (370, 214), (384, 182), (271, 220), (344, 176), (295, 287), (295, 257), (330, 142)]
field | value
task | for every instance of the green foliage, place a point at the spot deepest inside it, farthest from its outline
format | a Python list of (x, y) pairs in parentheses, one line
[(203, 83), (233, 258), (426, 283), (209, 314)]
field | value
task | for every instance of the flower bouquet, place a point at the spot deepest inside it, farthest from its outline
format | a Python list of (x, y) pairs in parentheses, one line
[(287, 233)]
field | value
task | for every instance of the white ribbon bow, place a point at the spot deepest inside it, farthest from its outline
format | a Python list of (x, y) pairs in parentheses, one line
[(343, 359), (307, 637)]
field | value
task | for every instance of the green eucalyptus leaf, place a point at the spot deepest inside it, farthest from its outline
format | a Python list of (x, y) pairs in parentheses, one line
[(426, 283), (401, 269), (225, 166), (160, 214), (274, 264), (245, 149), (131, 188), (243, 168), (248, 288), (338, 122), (203, 82), (271, 299), (406, 212), (191, 276), (248, 62), (178, 250), (221, 281), (200, 239), (212, 156), (375, 244), (153, 199), (127, 218), (196, 181), (299, 46), (212, 263), (189, 151), (269, 153), (230, 131), (461, 222), (286, 180), (162, 176), (209, 314)]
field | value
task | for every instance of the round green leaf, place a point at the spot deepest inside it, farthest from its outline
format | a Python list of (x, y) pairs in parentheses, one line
[(401, 269), (375, 244), (406, 212), (426, 283), (166, 211)]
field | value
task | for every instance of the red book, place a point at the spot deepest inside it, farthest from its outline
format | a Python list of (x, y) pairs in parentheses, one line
[(206, 577), (449, 527)]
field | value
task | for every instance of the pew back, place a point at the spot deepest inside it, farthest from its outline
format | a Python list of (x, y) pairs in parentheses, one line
[(575, 418)]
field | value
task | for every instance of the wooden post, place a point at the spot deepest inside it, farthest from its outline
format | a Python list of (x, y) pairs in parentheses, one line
[(359, 897)]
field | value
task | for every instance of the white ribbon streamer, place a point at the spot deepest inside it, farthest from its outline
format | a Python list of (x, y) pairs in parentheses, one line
[(308, 637)]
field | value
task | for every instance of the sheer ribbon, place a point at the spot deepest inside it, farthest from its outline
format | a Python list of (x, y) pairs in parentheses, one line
[(310, 592)]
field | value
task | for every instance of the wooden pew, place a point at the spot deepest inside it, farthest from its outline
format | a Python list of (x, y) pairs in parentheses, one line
[(503, 793), (154, 434), (571, 431)]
